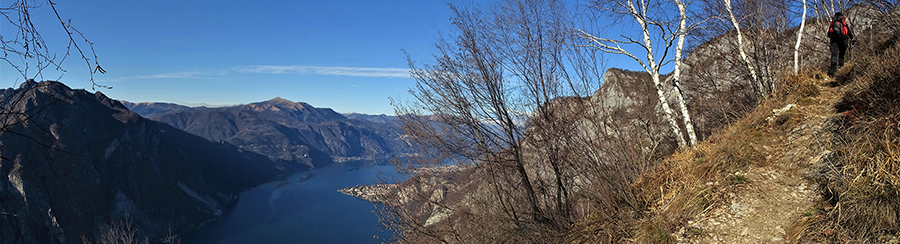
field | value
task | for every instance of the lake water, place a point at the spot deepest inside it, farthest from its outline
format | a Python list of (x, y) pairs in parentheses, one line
[(304, 208)]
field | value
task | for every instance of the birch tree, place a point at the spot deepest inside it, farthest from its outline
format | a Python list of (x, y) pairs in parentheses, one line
[(638, 11), (825, 9), (762, 89), (676, 74), (799, 37)]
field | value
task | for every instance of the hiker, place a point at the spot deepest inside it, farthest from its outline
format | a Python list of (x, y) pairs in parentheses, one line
[(840, 34)]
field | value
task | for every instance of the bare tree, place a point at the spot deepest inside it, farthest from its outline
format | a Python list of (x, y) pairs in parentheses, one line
[(481, 92), (25, 51), (757, 30), (121, 230), (741, 48), (883, 6), (512, 103), (30, 55), (507, 98), (799, 38), (681, 33), (639, 11), (825, 9)]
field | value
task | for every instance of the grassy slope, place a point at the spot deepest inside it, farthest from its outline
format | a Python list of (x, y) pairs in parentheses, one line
[(697, 181), (859, 189), (863, 187)]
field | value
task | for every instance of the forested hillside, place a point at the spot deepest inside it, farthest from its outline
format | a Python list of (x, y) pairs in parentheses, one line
[(741, 127)]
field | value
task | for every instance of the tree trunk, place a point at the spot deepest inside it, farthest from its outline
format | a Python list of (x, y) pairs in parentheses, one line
[(653, 70), (667, 111), (799, 37), (682, 26), (734, 23)]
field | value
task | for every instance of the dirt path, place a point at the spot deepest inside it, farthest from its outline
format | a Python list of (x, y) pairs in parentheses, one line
[(774, 197)]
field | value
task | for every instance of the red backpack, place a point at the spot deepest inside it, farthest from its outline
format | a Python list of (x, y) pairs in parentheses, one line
[(838, 29)]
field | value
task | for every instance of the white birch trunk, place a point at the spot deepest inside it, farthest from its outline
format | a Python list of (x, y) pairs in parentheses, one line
[(740, 37), (682, 31), (668, 112), (653, 70), (799, 37), (651, 66)]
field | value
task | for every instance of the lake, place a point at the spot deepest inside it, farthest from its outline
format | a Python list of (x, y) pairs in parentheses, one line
[(303, 208)]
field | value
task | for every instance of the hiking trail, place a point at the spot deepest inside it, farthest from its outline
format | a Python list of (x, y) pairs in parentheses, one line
[(775, 196)]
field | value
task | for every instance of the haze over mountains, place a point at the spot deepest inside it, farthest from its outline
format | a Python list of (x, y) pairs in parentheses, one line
[(291, 133)]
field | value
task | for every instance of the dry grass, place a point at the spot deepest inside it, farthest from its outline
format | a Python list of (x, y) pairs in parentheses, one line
[(696, 181), (693, 181), (865, 184), (865, 207)]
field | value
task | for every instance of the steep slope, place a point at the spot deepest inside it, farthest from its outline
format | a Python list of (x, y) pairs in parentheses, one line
[(84, 160), (734, 175), (291, 133), (799, 168), (760, 197)]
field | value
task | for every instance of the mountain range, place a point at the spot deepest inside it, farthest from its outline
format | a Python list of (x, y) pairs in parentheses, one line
[(75, 161), (291, 133)]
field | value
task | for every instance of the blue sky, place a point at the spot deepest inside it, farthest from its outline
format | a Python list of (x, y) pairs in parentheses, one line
[(341, 54), (346, 55)]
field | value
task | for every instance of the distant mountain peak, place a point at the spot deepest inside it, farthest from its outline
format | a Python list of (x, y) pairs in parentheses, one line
[(279, 99), (282, 103), (279, 104)]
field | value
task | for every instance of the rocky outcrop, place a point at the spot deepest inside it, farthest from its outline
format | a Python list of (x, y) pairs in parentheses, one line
[(291, 133), (81, 160), (372, 193)]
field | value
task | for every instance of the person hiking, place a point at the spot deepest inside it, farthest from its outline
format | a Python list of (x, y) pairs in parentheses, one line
[(840, 34)]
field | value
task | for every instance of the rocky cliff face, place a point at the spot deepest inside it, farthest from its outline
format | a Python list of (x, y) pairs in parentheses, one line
[(82, 160), (289, 132)]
